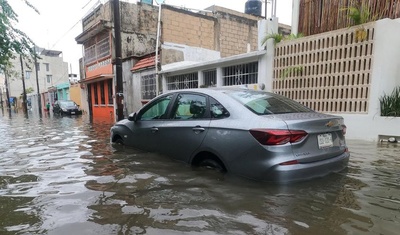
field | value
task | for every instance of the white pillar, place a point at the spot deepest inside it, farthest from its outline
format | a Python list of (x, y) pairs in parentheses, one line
[(220, 81), (268, 59), (201, 78), (295, 16)]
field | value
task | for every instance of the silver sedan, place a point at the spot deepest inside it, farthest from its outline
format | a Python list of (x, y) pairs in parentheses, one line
[(254, 134)]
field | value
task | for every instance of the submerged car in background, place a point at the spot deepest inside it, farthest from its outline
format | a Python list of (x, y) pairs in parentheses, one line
[(254, 134), (66, 107)]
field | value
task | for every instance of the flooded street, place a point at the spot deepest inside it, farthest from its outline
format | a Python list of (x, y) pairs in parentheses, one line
[(61, 175)]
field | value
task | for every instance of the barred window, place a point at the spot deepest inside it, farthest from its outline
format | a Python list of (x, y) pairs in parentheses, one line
[(95, 94), (184, 81), (90, 54), (98, 50), (102, 94), (241, 74), (210, 78), (148, 85), (110, 91), (103, 48)]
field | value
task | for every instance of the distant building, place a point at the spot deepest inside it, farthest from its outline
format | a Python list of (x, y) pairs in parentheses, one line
[(51, 69)]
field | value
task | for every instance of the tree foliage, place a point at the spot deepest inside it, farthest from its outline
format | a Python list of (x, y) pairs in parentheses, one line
[(12, 40)]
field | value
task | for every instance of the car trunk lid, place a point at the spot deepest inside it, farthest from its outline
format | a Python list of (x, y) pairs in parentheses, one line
[(325, 137)]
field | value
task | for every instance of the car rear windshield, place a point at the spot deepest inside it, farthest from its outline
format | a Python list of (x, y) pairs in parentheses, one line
[(68, 103), (263, 103)]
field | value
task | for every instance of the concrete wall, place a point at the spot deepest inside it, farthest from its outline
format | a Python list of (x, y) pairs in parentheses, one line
[(138, 29), (129, 85), (172, 52)]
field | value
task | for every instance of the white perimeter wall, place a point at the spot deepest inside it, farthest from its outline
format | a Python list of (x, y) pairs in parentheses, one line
[(385, 77)]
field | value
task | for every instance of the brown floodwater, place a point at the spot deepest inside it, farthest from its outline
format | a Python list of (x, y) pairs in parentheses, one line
[(61, 175)]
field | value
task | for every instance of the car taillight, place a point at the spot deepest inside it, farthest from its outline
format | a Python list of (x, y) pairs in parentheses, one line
[(288, 163), (344, 129), (277, 137)]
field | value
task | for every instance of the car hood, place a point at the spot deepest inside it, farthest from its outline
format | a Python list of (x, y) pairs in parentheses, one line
[(123, 122)]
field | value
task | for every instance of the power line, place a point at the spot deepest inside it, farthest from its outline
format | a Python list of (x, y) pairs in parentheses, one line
[(65, 34)]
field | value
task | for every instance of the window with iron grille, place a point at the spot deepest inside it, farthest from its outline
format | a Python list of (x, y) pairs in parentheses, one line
[(90, 54), (210, 78), (148, 85), (98, 50), (241, 74), (95, 94), (110, 91), (103, 48), (184, 81), (102, 94)]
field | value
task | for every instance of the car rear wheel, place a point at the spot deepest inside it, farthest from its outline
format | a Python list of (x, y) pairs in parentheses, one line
[(209, 162)]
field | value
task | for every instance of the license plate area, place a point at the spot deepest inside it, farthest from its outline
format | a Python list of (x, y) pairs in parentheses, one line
[(72, 112), (325, 140)]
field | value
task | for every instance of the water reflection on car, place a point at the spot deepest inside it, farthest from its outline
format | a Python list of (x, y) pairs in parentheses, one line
[(254, 134), (66, 107)]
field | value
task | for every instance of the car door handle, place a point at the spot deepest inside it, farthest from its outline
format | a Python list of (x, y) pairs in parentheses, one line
[(198, 129), (154, 129)]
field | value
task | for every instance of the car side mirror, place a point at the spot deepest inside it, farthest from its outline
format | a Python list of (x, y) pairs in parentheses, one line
[(132, 117)]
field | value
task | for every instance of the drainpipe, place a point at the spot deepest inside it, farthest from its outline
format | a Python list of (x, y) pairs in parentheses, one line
[(157, 45), (295, 16)]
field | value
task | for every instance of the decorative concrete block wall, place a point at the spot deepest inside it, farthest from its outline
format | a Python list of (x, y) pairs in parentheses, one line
[(329, 72)]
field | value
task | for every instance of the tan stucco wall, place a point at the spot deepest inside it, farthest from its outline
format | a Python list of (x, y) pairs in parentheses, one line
[(75, 93), (182, 27)]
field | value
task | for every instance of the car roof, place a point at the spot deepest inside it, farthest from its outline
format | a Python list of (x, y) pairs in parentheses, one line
[(216, 90)]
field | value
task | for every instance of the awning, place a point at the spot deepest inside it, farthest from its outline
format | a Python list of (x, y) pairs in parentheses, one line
[(97, 78), (144, 63), (91, 32)]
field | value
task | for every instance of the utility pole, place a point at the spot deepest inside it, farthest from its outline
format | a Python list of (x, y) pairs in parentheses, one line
[(119, 96), (37, 83), (7, 92), (24, 103)]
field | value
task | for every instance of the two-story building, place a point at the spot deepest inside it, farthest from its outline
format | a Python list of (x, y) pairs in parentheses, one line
[(138, 33), (52, 71)]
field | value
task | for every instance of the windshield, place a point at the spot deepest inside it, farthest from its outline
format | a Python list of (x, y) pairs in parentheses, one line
[(67, 103), (263, 103)]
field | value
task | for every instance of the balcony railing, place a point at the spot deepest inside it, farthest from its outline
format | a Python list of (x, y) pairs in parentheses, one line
[(98, 51)]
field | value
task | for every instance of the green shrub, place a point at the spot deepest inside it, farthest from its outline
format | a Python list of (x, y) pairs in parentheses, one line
[(390, 104)]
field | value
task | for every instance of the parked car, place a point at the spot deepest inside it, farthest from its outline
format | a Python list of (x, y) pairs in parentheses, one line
[(254, 134), (66, 107)]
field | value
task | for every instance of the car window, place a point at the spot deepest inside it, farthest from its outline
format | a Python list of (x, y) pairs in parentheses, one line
[(157, 109), (217, 110), (263, 103), (190, 106)]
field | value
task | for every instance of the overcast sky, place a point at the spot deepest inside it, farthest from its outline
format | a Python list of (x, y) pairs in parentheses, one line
[(59, 21)]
